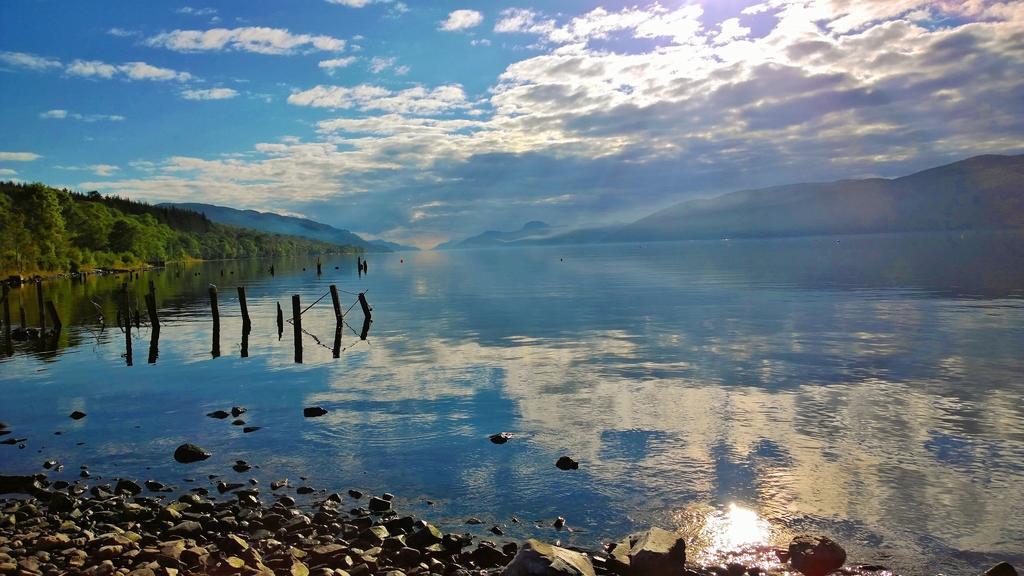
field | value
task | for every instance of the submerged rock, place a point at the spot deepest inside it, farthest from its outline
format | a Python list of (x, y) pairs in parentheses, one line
[(815, 555), (566, 463), (1001, 569), (535, 558), (313, 411), (76, 415), (500, 438), (218, 414), (188, 453), (237, 411)]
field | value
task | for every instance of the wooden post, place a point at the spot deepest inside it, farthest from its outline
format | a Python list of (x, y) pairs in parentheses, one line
[(280, 321), (365, 306), (246, 323), (366, 328), (54, 317), (216, 321), (337, 340), (297, 327), (21, 314), (318, 266), (127, 315), (39, 303), (154, 344), (271, 269), (337, 303)]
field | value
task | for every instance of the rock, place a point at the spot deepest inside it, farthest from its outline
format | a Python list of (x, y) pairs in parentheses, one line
[(304, 490), (188, 453), (655, 552), (218, 414), (241, 466), (559, 523), (500, 438), (815, 555), (233, 544), (538, 559), (1001, 569), (237, 411), (379, 505), (424, 537), (128, 486), (313, 412), (238, 422), (497, 530), (277, 484), (185, 529), (566, 463), (474, 521), (154, 486), (223, 487), (355, 494), (248, 429), (76, 415)]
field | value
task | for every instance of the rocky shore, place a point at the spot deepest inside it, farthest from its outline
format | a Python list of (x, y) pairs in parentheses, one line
[(50, 528)]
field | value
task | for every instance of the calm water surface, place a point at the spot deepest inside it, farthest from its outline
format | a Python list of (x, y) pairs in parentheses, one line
[(869, 388)]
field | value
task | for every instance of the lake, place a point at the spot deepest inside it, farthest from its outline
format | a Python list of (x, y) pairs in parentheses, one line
[(869, 388)]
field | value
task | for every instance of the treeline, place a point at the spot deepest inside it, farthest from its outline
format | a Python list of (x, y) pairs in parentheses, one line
[(43, 229)]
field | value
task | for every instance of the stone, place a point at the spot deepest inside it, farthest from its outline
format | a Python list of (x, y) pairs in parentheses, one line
[(194, 556), (656, 552), (497, 530), (304, 490), (379, 505), (128, 486), (536, 558), (355, 494), (566, 463), (488, 556), (815, 555), (233, 544), (472, 520), (1001, 569), (500, 438), (559, 523), (154, 486), (241, 466), (218, 414), (185, 529), (76, 415), (237, 411), (424, 537), (238, 422), (406, 557), (249, 429), (223, 487), (188, 453), (313, 411)]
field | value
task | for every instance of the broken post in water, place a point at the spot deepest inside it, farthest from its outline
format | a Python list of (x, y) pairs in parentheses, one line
[(216, 321), (318, 266), (280, 321), (246, 323), (336, 351), (367, 316), (297, 328), (271, 269), (154, 344), (54, 317), (127, 315), (39, 303), (154, 320), (337, 304)]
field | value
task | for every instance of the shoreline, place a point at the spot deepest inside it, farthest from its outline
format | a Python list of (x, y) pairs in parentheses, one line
[(102, 528)]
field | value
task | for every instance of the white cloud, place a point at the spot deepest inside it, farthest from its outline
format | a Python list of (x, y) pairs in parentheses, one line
[(19, 156), (261, 40), (196, 11), (332, 65), (129, 70), (29, 61), (462, 20), (364, 97), (209, 94), (379, 63), (60, 114), (103, 169), (480, 42), (122, 33)]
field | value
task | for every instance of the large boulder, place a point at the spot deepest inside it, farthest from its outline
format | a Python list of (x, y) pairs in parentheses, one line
[(188, 453), (656, 552), (539, 559), (1001, 569), (815, 555)]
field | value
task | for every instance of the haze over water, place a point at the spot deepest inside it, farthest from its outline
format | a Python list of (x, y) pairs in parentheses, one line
[(867, 388)]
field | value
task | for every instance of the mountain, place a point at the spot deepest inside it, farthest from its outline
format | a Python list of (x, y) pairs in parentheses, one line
[(531, 231), (980, 193), (278, 224)]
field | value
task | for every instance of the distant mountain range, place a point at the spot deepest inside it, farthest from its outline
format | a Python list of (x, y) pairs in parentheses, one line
[(278, 224), (979, 193), (530, 232)]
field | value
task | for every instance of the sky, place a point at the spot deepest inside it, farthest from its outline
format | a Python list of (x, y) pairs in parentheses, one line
[(418, 122)]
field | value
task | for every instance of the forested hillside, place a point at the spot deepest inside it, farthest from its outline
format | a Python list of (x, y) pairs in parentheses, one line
[(43, 229)]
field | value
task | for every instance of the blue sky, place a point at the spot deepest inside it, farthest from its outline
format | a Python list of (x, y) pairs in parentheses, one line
[(417, 122)]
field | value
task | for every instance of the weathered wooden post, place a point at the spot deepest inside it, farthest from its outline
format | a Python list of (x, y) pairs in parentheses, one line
[(216, 321), (297, 327), (280, 321), (365, 306), (271, 269), (127, 315), (317, 265), (246, 323), (337, 340), (39, 303), (54, 317), (366, 329), (154, 344), (337, 304), (154, 320)]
